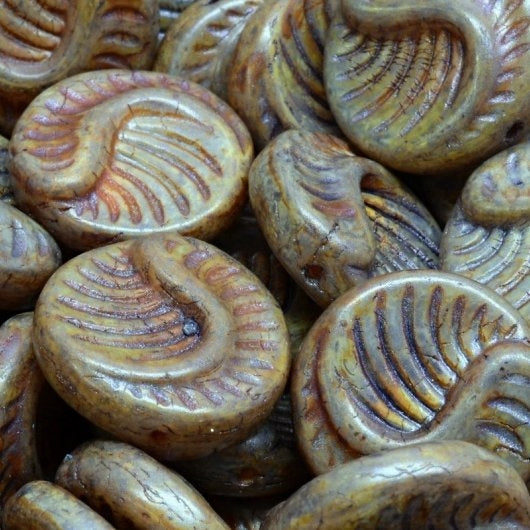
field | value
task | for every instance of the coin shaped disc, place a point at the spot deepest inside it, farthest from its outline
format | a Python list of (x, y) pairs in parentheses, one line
[(401, 360), (113, 154), (166, 342)]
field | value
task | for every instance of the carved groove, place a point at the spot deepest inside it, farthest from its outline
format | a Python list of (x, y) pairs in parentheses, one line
[(158, 342), (412, 353), (160, 166)]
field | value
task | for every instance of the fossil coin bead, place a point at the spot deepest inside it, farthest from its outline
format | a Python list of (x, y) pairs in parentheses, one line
[(404, 359), (334, 219), (44, 42), (113, 154), (275, 81), (28, 257), (165, 342), (430, 87), (133, 490), (20, 384), (200, 45), (487, 237), (431, 485), (41, 505)]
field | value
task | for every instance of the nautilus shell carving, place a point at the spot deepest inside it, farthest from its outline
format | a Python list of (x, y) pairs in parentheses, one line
[(104, 473), (28, 257), (275, 82), (431, 485), (20, 384), (487, 238), (114, 154), (169, 11), (413, 357), (154, 339), (44, 41), (52, 507), (200, 46), (430, 87), (334, 219)]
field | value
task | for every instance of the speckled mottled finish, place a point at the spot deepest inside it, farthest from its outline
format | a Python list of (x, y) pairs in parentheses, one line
[(104, 473), (44, 42), (41, 505), (165, 342), (430, 485), (133, 153), (430, 86)]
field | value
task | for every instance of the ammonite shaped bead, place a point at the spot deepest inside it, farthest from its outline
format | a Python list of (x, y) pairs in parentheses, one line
[(265, 464), (275, 82), (113, 154), (6, 194), (20, 384), (430, 87), (200, 45), (408, 358), (41, 505), (132, 490), (165, 342), (169, 11), (432, 485), (28, 257), (44, 42), (487, 237), (334, 219)]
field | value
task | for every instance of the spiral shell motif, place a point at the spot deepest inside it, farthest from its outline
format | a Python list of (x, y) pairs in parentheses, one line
[(28, 257), (401, 360), (20, 384), (487, 237), (430, 87), (275, 81), (172, 329), (430, 485), (334, 219), (200, 46), (117, 154), (44, 41)]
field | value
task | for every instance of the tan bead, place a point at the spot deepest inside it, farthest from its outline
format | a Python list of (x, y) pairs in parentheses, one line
[(44, 42), (407, 358), (41, 505), (431, 485), (21, 382), (334, 219), (165, 342), (275, 80), (430, 86), (109, 155), (133, 490), (200, 45), (28, 257), (487, 237)]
